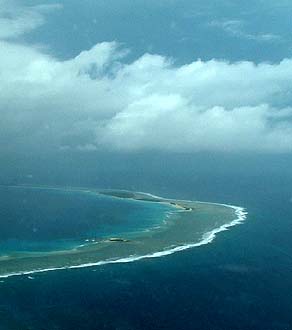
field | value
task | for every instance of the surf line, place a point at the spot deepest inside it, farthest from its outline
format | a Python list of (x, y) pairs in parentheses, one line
[(207, 238)]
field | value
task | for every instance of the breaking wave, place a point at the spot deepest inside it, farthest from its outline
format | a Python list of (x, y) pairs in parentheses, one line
[(207, 238)]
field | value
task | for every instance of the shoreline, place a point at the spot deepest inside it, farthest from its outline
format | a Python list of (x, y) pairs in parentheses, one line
[(184, 206)]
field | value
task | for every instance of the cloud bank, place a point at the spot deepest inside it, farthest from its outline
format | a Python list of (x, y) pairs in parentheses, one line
[(99, 101)]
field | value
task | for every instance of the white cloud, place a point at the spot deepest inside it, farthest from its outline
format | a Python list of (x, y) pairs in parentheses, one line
[(237, 28), (16, 20), (96, 100)]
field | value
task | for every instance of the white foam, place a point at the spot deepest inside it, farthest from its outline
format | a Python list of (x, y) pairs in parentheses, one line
[(206, 239), (149, 195)]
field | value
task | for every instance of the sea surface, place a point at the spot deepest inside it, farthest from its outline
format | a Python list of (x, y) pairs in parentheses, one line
[(41, 232), (45, 219), (240, 281)]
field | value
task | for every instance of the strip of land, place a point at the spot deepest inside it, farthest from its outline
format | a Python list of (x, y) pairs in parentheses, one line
[(187, 224)]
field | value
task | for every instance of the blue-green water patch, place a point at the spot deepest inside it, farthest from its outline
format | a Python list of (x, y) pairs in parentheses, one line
[(41, 219)]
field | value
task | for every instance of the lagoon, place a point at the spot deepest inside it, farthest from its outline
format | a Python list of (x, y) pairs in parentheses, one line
[(119, 226)]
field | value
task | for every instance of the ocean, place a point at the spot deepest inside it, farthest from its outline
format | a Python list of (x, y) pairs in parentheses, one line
[(45, 218), (240, 281)]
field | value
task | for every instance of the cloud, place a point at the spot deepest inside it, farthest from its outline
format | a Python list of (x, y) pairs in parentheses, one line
[(99, 100), (16, 20), (237, 28)]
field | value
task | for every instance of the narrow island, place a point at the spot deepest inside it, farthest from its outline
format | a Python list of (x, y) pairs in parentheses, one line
[(188, 224)]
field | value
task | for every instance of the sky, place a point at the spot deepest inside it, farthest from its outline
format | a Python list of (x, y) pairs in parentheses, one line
[(141, 76)]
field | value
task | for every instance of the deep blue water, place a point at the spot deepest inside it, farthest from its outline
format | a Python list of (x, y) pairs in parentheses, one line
[(242, 281), (34, 219)]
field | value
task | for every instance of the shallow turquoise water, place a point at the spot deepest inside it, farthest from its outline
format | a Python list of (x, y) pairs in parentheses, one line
[(242, 281), (45, 219)]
